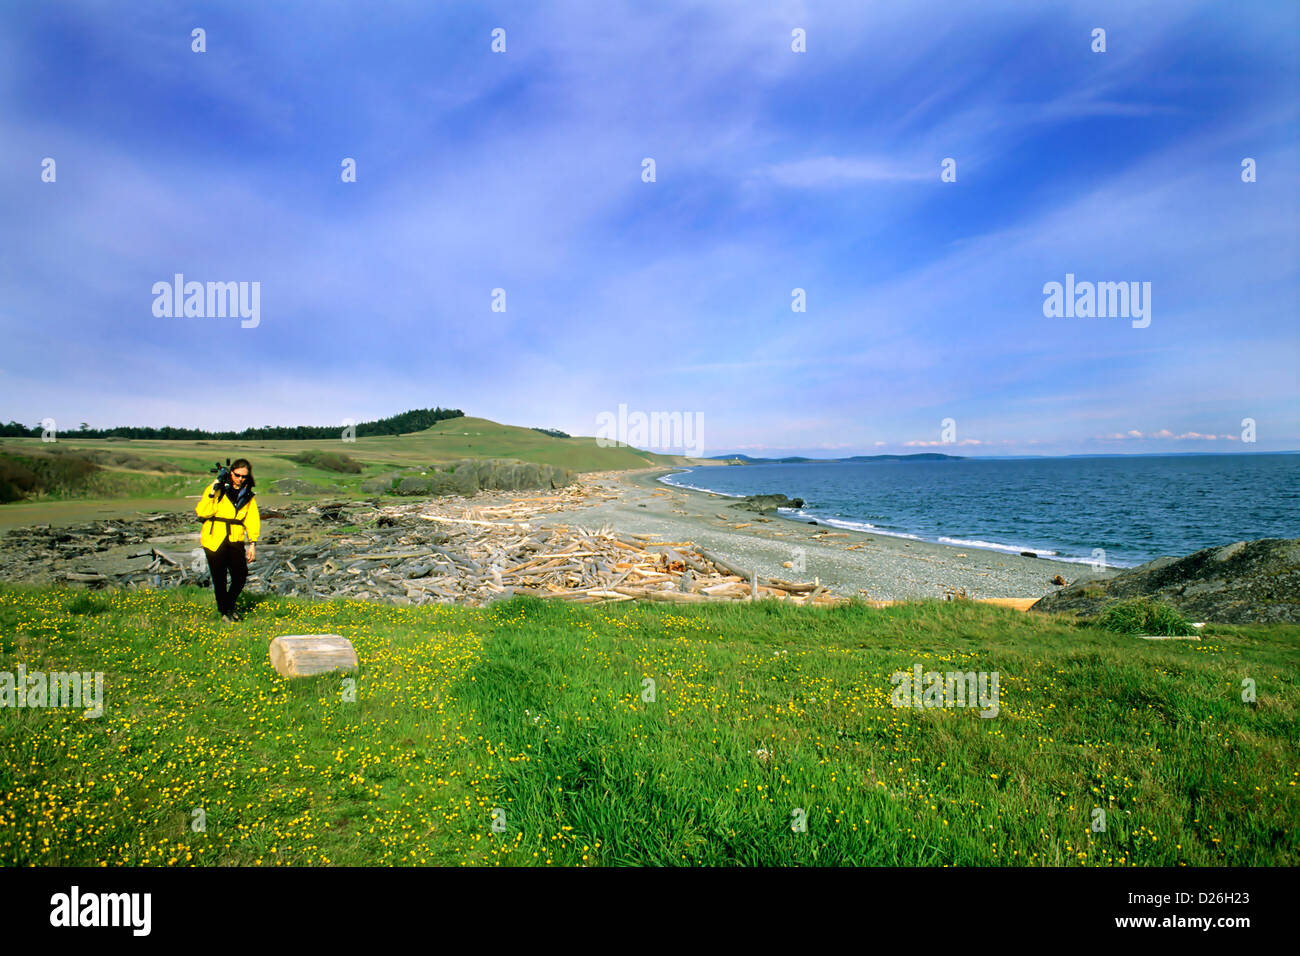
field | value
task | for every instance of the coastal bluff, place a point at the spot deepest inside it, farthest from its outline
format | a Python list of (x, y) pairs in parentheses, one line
[(1249, 582)]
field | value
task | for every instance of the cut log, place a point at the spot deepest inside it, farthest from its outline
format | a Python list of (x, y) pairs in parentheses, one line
[(1019, 604), (791, 586), (721, 564), (304, 655), (83, 577)]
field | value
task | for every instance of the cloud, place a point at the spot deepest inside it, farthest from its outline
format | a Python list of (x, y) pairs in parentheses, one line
[(776, 171), (1164, 434), (828, 171), (972, 442)]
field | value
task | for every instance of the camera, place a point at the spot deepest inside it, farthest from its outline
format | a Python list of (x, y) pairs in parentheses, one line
[(222, 484)]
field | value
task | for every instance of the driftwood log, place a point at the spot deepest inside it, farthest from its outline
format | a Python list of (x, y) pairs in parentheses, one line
[(303, 655), (724, 565)]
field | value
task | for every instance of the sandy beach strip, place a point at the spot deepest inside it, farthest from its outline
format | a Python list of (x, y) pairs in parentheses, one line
[(851, 563)]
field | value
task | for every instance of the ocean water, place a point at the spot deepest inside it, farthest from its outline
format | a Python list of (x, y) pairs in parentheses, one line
[(1134, 509)]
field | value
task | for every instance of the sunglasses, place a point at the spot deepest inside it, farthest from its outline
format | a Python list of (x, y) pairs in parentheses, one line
[(239, 474)]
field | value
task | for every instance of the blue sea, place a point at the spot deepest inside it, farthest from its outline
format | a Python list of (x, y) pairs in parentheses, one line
[(1132, 508)]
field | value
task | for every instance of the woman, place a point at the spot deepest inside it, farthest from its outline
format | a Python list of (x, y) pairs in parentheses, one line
[(230, 515)]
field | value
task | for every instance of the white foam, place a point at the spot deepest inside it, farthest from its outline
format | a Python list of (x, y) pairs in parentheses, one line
[(994, 546), (848, 525), (680, 484)]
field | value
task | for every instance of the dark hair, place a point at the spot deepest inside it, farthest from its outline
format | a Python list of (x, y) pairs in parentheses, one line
[(243, 463)]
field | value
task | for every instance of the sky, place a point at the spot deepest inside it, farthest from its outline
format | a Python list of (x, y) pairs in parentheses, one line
[(775, 170)]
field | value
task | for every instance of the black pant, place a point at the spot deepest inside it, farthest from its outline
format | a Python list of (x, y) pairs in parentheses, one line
[(229, 556)]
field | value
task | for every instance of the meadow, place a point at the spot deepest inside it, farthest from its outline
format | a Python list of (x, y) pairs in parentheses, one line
[(449, 440), (538, 733), (164, 471)]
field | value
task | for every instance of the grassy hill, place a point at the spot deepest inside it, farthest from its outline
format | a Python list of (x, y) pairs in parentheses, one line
[(159, 471), (470, 437), (537, 710)]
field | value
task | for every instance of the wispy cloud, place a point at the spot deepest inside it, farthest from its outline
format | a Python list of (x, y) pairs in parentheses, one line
[(776, 171), (1164, 434), (829, 171)]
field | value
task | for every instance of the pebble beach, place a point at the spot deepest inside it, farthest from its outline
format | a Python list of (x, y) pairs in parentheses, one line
[(303, 553), (850, 563)]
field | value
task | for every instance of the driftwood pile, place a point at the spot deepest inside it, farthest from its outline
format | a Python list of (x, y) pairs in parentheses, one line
[(466, 551), (507, 555), (42, 553)]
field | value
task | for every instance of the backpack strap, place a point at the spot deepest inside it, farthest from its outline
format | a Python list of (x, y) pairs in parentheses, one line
[(226, 521)]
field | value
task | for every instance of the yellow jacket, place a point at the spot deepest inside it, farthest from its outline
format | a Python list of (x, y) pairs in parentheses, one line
[(214, 531)]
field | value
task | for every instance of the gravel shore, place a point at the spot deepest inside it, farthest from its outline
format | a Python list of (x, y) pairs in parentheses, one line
[(855, 564), (848, 563)]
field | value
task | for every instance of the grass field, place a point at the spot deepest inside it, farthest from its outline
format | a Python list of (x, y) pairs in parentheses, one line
[(446, 441), (532, 714)]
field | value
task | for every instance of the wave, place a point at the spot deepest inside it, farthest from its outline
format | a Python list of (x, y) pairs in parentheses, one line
[(996, 546), (847, 524), (681, 484)]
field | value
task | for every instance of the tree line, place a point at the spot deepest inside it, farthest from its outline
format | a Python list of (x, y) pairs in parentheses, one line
[(412, 421)]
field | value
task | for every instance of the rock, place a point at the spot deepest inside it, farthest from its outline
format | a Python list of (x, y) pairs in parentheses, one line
[(1028, 554), (766, 504), (463, 481), (414, 485), (1228, 552), (1248, 582), (1058, 581)]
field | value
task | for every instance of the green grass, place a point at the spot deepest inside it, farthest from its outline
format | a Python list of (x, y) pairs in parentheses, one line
[(112, 484), (61, 474), (1144, 616), (536, 708), (326, 462)]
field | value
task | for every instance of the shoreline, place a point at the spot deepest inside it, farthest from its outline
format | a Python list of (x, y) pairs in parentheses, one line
[(839, 524), (849, 562), (634, 503)]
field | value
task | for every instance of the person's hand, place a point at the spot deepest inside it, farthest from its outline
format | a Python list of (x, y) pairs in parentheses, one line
[(252, 550)]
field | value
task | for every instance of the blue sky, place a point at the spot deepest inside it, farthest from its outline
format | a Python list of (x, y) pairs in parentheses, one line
[(775, 170)]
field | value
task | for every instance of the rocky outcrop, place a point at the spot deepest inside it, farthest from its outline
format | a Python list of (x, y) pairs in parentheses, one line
[(766, 504), (1249, 582)]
